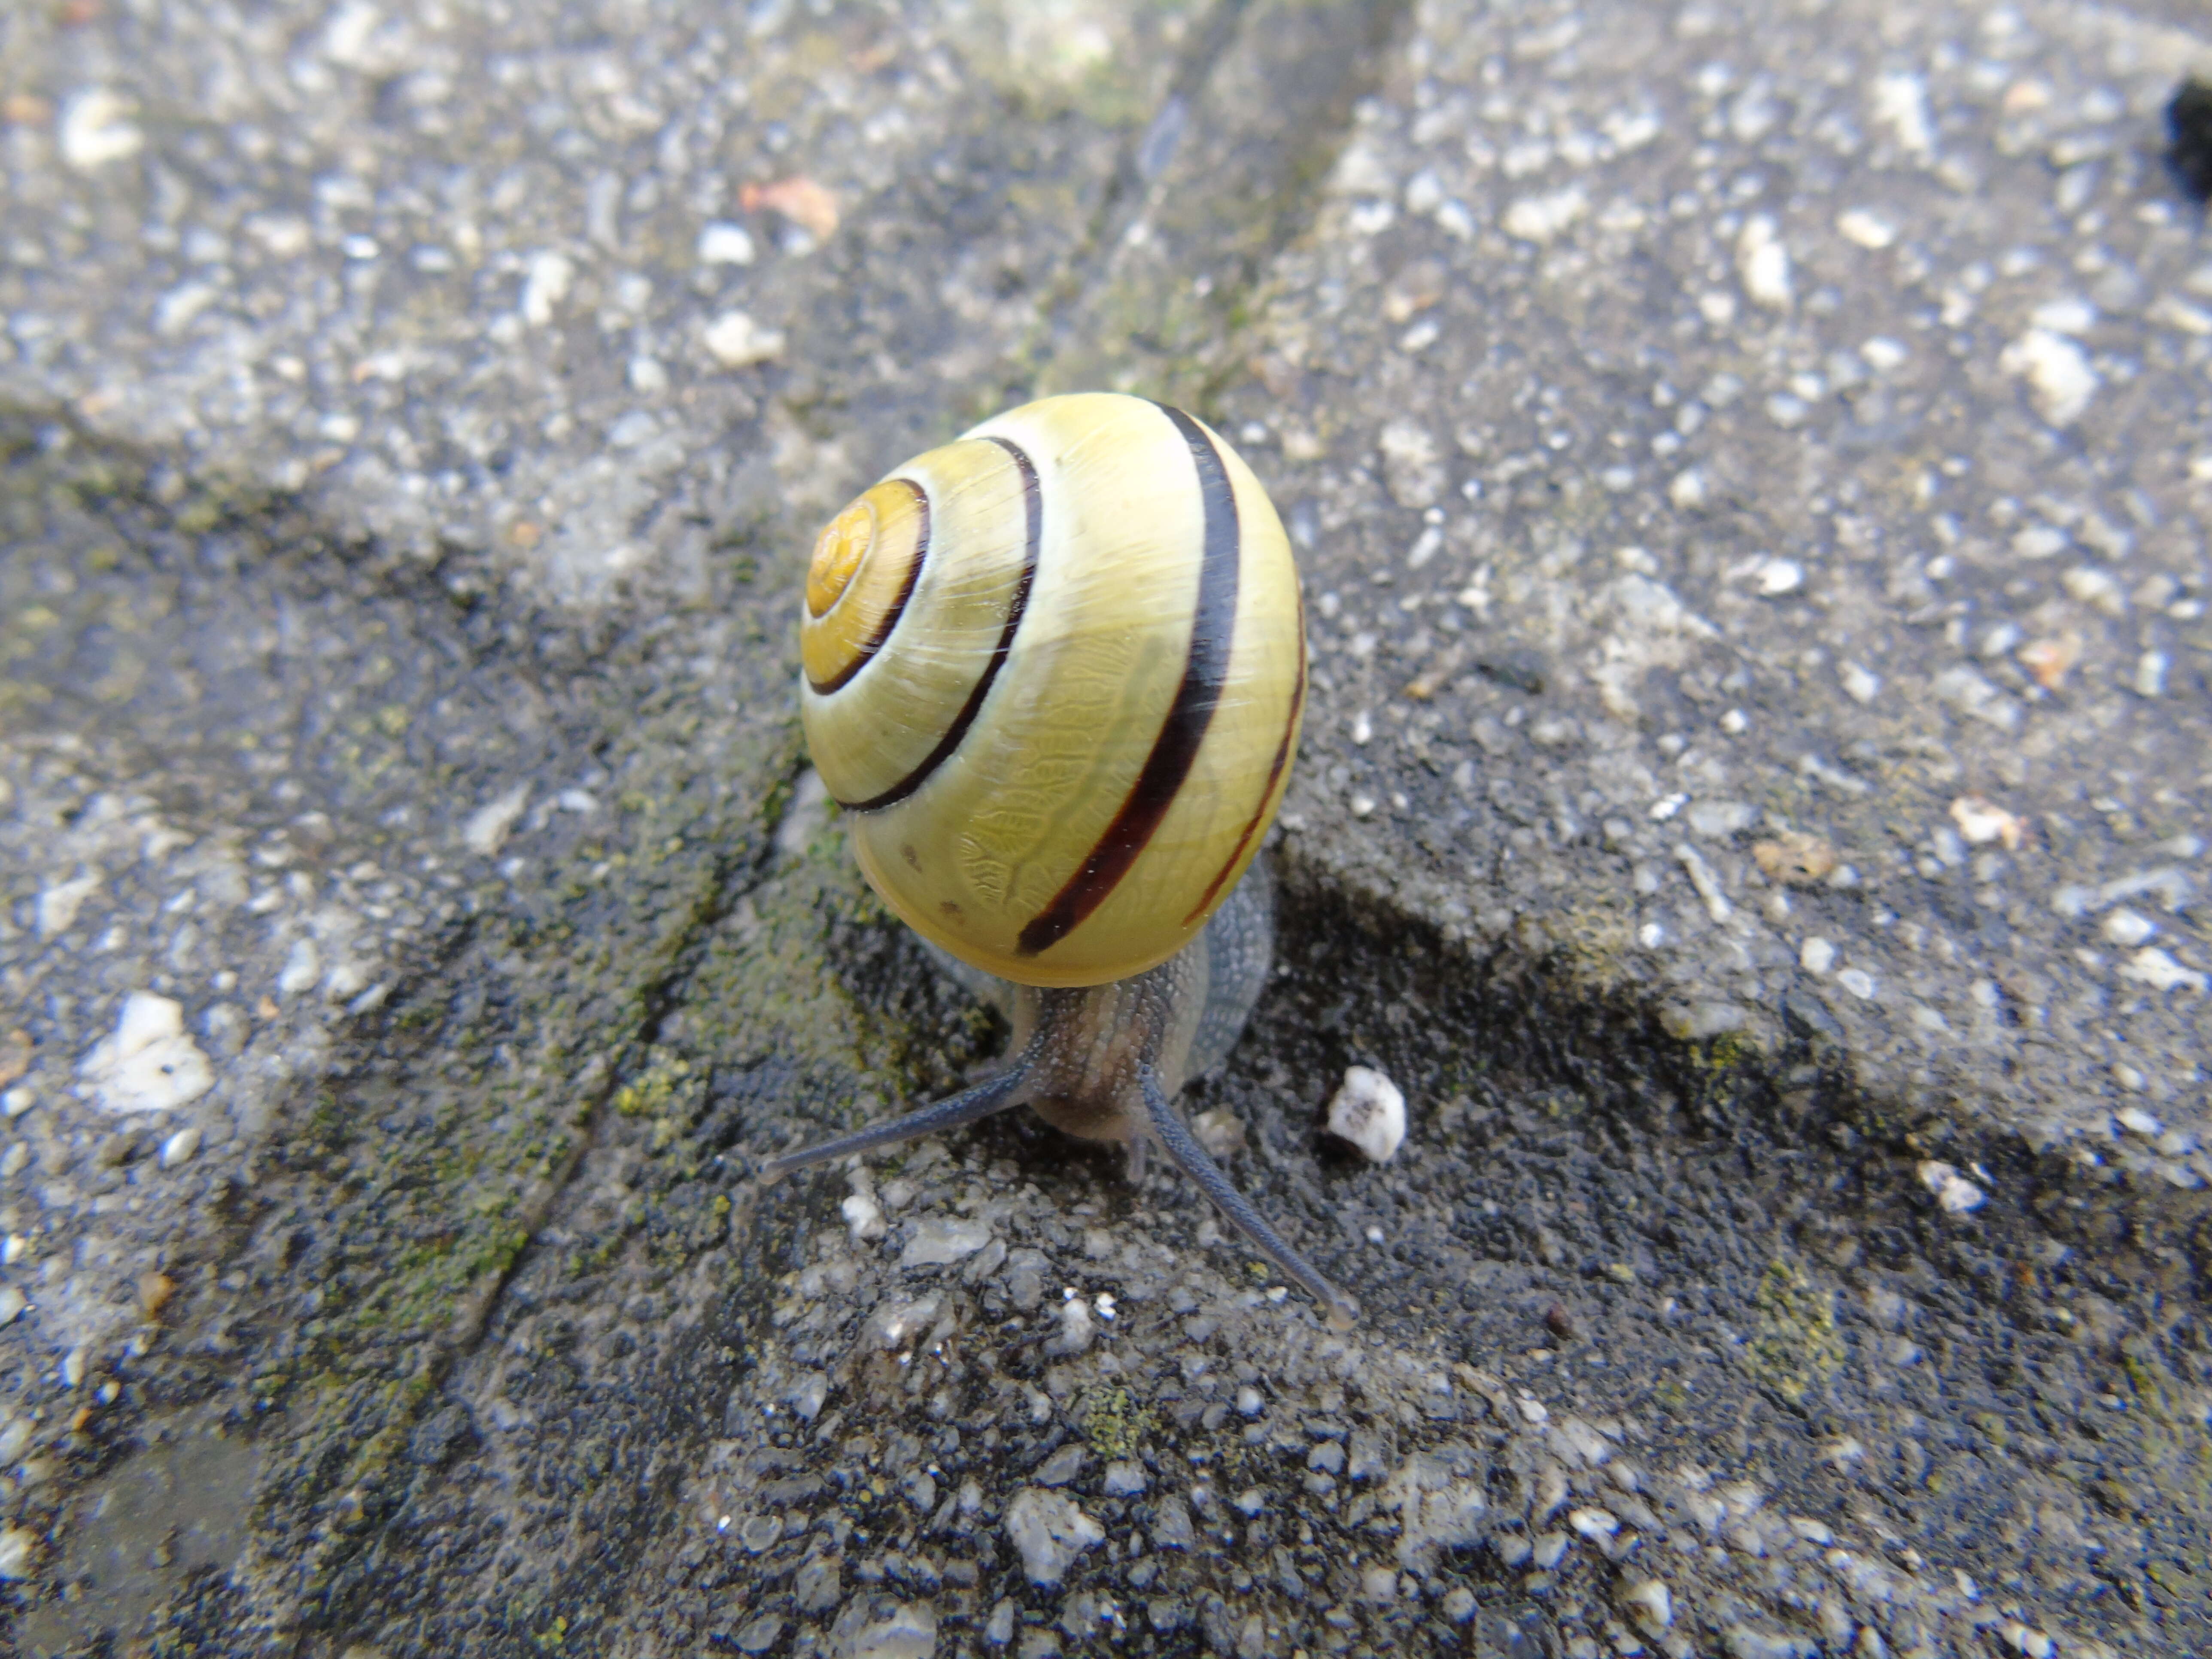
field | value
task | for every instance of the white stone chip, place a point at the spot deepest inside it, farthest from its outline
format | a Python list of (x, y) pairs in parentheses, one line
[(58, 904), (18, 1546), (1981, 821), (303, 966), (1816, 956), (1900, 103), (1706, 880), (544, 285), (1049, 1531), (2136, 1120), (1861, 684), (736, 341), (12, 1303), (1954, 1194), (1540, 218), (2129, 928), (1866, 228), (868, 1629), (96, 129), (726, 245), (936, 1240), (2154, 967), (1883, 354), (179, 1147), (486, 830), (864, 1217), (2059, 378), (1368, 1110), (1775, 577), (149, 1065), (1763, 263), (1651, 1603)]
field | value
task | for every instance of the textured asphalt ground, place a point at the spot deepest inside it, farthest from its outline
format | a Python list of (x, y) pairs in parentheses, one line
[(1749, 468)]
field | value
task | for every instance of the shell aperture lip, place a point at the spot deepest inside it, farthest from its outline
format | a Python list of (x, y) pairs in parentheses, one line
[(864, 571), (1204, 671), (1033, 506)]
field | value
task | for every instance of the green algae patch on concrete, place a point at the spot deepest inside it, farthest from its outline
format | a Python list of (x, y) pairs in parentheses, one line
[(1796, 1346)]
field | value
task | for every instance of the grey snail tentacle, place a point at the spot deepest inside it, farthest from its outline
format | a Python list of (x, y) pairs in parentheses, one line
[(995, 1095), (1191, 1158)]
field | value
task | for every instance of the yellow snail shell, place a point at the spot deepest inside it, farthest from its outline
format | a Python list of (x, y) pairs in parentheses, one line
[(1055, 671)]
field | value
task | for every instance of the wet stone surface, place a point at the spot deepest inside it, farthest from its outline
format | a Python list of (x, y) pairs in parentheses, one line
[(1750, 485)]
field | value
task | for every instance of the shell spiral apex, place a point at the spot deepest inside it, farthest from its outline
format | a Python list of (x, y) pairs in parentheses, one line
[(1055, 670)]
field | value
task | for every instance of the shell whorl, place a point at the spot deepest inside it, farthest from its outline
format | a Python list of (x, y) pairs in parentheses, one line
[(1054, 671)]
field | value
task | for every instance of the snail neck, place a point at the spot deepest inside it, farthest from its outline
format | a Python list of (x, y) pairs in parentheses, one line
[(1089, 1049)]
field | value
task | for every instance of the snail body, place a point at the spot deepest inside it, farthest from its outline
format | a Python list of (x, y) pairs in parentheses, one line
[(1055, 672)]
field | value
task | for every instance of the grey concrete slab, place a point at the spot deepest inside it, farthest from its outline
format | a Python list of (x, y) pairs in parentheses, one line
[(1747, 469)]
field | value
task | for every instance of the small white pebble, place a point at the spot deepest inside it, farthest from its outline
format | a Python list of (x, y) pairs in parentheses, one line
[(1368, 1110), (1763, 263), (736, 341), (1776, 577), (2128, 1078), (1883, 354), (1594, 1523), (723, 244), (1954, 1192), (1650, 934), (864, 1217), (2154, 967), (1857, 981), (1866, 229), (12, 1303), (2060, 380), (1250, 1402), (1361, 805), (1816, 955), (17, 1545), (1860, 685), (1651, 1603), (2138, 1121), (18, 1101), (1540, 218), (1981, 822), (544, 283), (1734, 723), (96, 129), (2150, 674), (2126, 927), (179, 1147)]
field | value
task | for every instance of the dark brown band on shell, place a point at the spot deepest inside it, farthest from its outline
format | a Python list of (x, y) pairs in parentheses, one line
[(1274, 776), (1206, 670)]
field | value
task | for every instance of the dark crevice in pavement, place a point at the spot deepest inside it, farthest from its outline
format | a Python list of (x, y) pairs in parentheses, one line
[(1264, 93)]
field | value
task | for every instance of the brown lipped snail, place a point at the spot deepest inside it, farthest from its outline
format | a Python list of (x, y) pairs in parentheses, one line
[(1053, 671)]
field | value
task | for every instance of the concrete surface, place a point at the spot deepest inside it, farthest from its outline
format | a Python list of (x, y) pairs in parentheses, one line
[(1749, 467)]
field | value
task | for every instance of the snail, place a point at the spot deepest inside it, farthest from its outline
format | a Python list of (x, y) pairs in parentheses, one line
[(1053, 671)]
